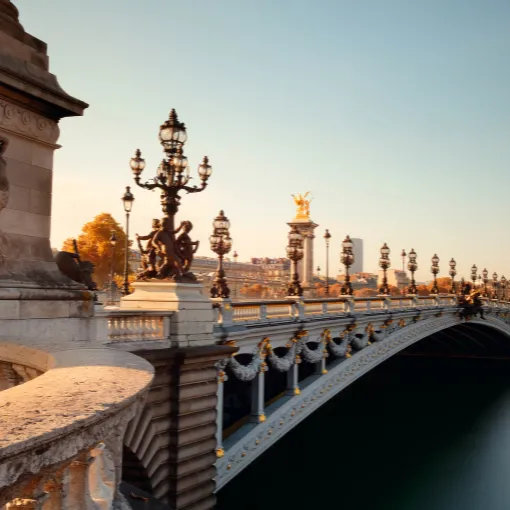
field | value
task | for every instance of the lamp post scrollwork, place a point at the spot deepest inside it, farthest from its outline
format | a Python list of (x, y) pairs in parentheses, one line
[(175, 253), (485, 275), (474, 271), (347, 259), (434, 270), (503, 288), (384, 263), (494, 285), (453, 273), (221, 243), (327, 237), (412, 265), (295, 253)]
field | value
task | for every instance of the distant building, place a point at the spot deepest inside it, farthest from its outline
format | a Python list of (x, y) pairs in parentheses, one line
[(357, 249), (396, 278)]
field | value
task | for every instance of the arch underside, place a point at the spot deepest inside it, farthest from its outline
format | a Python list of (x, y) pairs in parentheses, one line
[(446, 336)]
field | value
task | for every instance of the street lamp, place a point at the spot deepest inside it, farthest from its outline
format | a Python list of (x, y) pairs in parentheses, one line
[(494, 285), (503, 288), (113, 242), (127, 200), (221, 243), (235, 255), (412, 266), (434, 270), (327, 237), (172, 177), (347, 259), (403, 255), (295, 253), (485, 275), (453, 272), (474, 271), (384, 263)]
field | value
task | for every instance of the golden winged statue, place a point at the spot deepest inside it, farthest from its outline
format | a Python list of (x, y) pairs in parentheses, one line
[(303, 205)]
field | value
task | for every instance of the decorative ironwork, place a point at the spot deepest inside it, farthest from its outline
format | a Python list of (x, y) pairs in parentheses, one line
[(485, 280), (384, 263), (295, 253), (474, 271), (175, 254), (412, 265), (434, 270), (494, 285), (347, 259), (503, 288), (221, 243), (127, 200), (327, 237), (453, 273)]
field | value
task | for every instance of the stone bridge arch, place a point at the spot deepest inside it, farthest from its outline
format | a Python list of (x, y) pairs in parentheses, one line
[(286, 415)]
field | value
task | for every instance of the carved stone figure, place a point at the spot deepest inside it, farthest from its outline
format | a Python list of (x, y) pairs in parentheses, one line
[(187, 247), (149, 255), (4, 183), (303, 205), (75, 269)]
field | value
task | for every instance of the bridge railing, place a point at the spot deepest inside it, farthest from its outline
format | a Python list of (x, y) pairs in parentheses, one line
[(61, 434), (263, 312), (135, 325)]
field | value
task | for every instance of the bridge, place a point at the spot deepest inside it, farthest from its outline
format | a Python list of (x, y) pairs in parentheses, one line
[(166, 399)]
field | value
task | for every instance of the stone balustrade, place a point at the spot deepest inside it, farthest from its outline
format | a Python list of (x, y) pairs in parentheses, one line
[(61, 434), (261, 312)]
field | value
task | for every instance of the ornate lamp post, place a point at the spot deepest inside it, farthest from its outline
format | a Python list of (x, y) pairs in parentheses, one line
[(384, 263), (295, 254), (327, 237), (235, 255), (474, 271), (127, 200), (113, 242), (412, 266), (172, 178), (318, 271), (221, 243), (485, 275), (462, 286), (403, 255), (503, 289), (494, 285), (434, 270), (453, 272), (347, 259)]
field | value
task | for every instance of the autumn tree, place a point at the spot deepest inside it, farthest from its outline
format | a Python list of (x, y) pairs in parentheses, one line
[(255, 291), (366, 292), (444, 285), (422, 290), (94, 245)]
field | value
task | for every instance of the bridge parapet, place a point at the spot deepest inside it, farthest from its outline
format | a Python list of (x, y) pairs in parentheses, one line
[(61, 434), (337, 345)]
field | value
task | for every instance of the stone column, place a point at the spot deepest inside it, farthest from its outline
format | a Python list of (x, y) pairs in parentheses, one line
[(305, 266), (31, 105)]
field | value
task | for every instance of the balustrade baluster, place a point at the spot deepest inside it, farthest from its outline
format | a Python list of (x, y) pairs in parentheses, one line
[(221, 378)]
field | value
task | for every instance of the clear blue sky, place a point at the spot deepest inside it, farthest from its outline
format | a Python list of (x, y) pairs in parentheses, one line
[(395, 114)]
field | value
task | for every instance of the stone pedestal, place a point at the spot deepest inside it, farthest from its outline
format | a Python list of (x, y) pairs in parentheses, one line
[(306, 228), (192, 323), (38, 305)]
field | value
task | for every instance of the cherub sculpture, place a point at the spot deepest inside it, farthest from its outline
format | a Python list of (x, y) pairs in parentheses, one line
[(149, 254), (187, 247)]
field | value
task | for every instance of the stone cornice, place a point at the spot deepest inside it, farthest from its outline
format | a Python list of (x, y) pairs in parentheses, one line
[(21, 121)]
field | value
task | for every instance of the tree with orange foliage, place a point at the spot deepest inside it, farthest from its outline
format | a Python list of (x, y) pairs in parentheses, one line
[(366, 292), (335, 290), (444, 285), (422, 290), (94, 245), (255, 291)]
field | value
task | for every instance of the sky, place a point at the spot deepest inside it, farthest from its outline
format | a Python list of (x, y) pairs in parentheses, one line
[(395, 114)]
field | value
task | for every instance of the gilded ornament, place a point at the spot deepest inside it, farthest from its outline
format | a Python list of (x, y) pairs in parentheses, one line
[(220, 452), (297, 391), (262, 418), (303, 205)]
